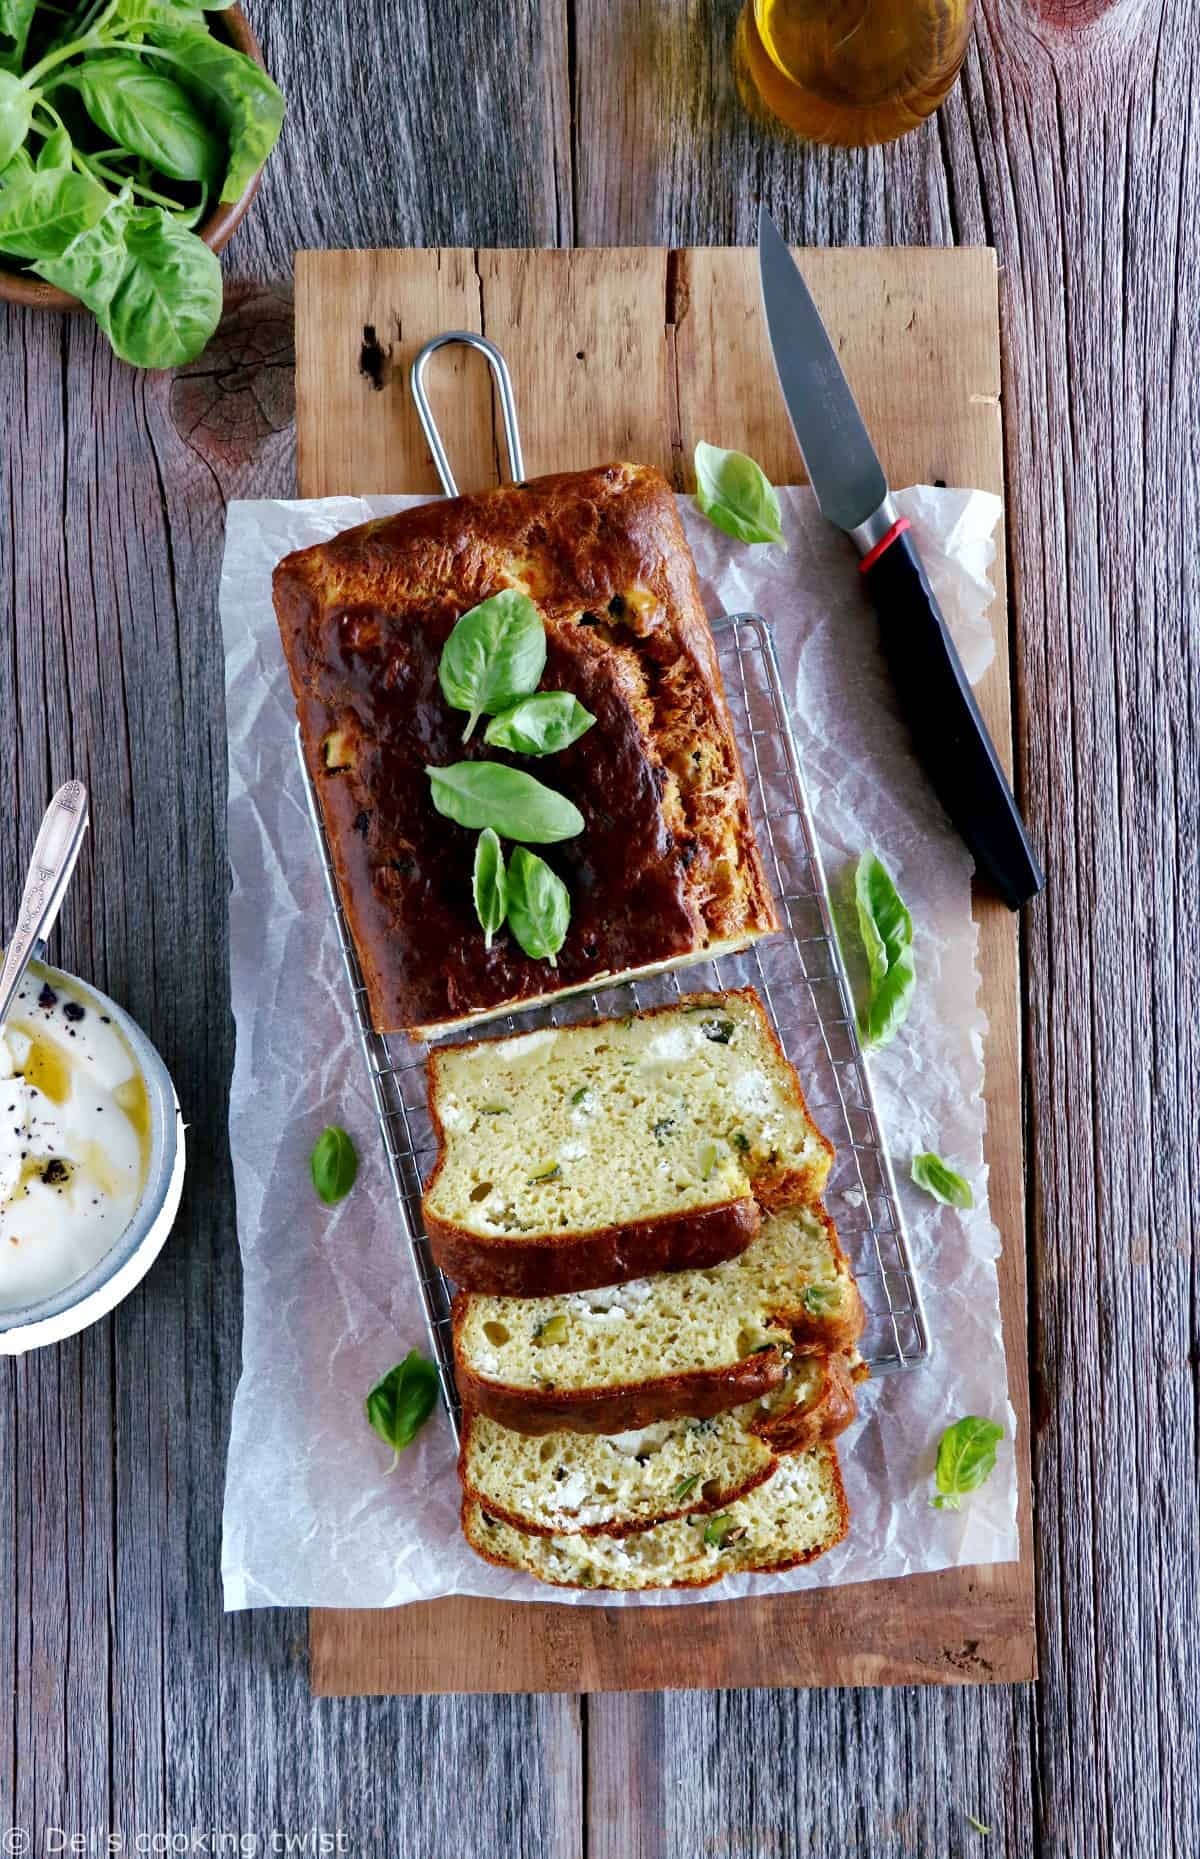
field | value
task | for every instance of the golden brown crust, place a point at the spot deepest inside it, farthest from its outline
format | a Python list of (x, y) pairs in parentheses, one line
[(826, 1414), (823, 1329), (470, 1509), (667, 862), (698, 1392), (545, 1264)]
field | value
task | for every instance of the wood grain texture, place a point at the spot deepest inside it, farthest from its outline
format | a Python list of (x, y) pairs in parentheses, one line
[(811, 1774), (1071, 147), (127, 1701), (648, 351)]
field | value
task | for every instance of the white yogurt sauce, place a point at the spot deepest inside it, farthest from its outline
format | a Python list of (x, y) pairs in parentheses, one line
[(74, 1139)]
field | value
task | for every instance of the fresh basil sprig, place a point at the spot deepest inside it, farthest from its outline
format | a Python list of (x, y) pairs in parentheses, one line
[(540, 725), (55, 152), (16, 17), (512, 803), (943, 1182), (103, 198), (539, 906), (495, 654), (736, 494), (887, 933), (16, 116), (44, 208), (399, 1405), (154, 289), (151, 115), (489, 885), (334, 1165), (237, 94), (966, 1456)]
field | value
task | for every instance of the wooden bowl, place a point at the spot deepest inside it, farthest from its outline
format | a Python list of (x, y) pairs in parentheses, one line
[(217, 230)]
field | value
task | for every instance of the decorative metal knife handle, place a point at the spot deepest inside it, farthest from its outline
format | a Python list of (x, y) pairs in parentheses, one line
[(58, 844)]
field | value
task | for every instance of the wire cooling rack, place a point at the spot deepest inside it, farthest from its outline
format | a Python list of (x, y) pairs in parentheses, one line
[(799, 975)]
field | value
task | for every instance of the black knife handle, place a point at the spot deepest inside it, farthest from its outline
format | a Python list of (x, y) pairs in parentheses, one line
[(950, 735)]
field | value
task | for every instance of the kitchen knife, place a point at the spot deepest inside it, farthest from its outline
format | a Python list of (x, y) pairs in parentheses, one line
[(949, 735)]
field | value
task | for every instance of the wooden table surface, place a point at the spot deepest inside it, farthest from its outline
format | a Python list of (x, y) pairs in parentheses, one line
[(127, 1701)]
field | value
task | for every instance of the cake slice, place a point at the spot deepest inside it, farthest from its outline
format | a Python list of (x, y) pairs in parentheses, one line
[(614, 1484), (691, 1342), (798, 1514), (665, 869), (587, 1155)]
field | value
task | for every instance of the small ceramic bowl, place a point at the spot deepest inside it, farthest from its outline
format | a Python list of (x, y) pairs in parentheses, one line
[(217, 230), (126, 1263)]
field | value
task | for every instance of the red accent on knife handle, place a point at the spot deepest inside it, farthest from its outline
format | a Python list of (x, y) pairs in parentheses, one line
[(885, 542)]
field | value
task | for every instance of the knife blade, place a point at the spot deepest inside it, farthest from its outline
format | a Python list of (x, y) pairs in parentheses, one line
[(949, 734)]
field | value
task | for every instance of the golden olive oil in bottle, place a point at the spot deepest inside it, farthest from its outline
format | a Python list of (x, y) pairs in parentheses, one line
[(851, 72)]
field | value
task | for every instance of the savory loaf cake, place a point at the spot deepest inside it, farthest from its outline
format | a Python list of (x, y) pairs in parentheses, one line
[(614, 1484), (585, 1155), (798, 1514), (665, 869), (696, 1342)]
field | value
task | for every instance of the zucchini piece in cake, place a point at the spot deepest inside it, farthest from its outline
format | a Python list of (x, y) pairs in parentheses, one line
[(594, 1484), (585, 1155), (796, 1516), (695, 1342)]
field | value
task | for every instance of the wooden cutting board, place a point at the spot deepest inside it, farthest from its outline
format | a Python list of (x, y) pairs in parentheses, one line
[(636, 354)]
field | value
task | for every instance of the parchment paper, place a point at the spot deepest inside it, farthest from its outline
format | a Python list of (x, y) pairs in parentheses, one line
[(312, 1514)]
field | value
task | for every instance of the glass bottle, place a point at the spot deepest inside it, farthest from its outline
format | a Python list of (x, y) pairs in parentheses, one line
[(851, 72)]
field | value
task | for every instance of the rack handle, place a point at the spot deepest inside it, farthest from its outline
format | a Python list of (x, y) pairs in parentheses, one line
[(504, 389)]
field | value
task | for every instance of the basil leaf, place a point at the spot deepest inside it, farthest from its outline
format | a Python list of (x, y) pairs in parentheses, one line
[(489, 885), (512, 803), (151, 115), (966, 1456), (153, 287), (887, 933), (539, 906), (168, 301), (92, 265), (334, 1165), (735, 494), (399, 1405), (540, 725), (135, 16), (235, 94), (41, 211), (16, 115), (55, 152), (496, 653), (940, 1180), (16, 17)]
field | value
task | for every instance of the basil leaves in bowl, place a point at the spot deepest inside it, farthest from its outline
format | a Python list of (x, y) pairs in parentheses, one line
[(133, 134)]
